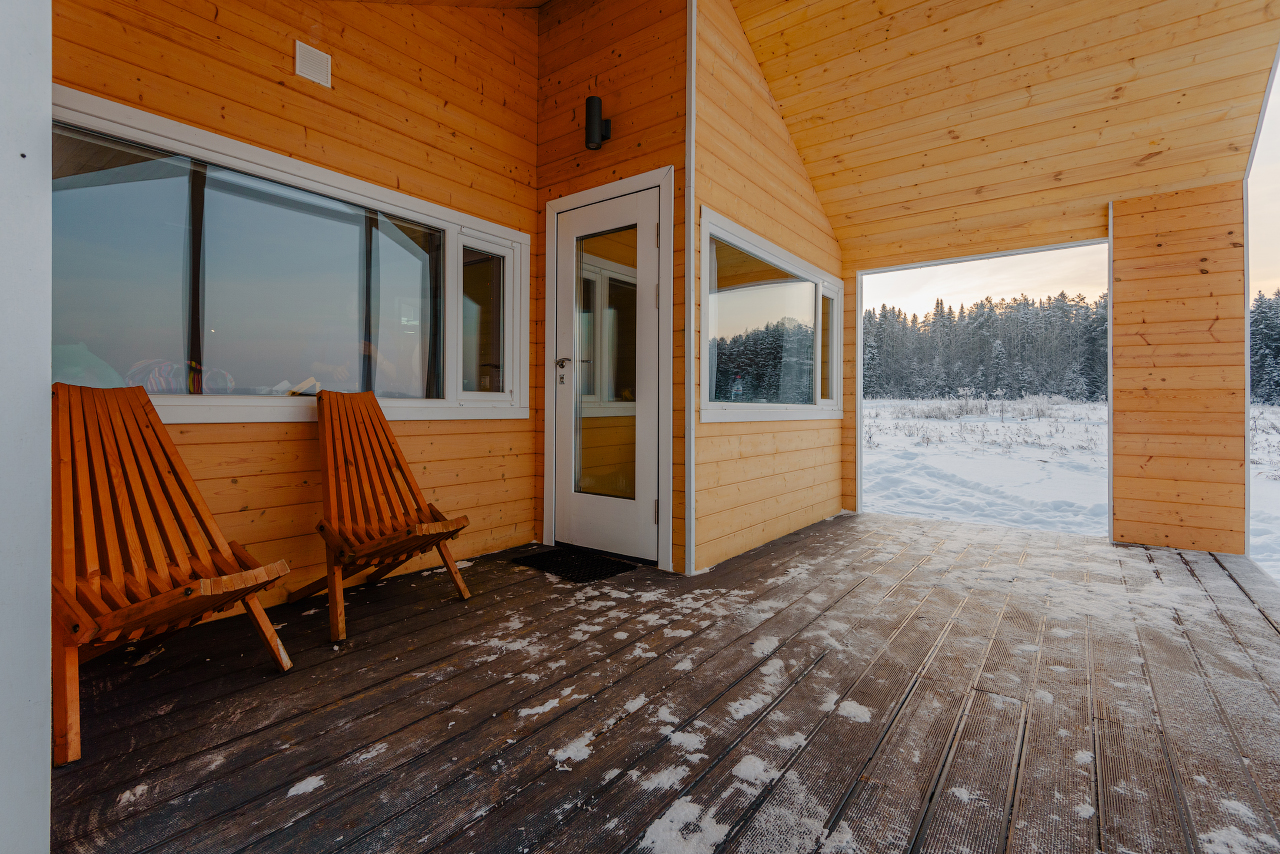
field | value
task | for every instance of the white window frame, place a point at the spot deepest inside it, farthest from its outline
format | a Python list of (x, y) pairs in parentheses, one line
[(713, 411), (92, 113)]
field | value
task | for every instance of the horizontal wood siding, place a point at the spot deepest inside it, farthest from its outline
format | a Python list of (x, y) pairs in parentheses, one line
[(935, 130), (440, 103), (757, 480), (1180, 396), (631, 54)]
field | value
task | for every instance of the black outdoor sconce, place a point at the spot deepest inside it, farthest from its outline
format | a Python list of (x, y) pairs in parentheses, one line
[(598, 129)]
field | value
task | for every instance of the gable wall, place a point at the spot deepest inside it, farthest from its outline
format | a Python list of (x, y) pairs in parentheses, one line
[(437, 102), (756, 480), (934, 129)]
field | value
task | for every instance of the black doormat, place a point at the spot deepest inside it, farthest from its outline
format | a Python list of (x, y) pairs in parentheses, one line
[(580, 566)]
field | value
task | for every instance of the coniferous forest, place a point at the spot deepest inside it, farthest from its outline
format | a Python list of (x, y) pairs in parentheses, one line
[(1007, 349), (1018, 347), (1264, 348)]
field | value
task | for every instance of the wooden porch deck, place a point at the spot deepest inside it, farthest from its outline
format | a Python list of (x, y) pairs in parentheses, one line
[(871, 683)]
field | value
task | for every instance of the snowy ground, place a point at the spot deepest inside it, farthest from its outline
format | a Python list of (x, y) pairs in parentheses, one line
[(1264, 500), (1039, 463), (1034, 463)]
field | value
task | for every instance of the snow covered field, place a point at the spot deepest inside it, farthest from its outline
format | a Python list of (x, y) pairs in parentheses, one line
[(1040, 462), (1264, 501)]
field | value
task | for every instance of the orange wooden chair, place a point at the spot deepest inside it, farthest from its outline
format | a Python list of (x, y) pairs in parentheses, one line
[(136, 551), (374, 512)]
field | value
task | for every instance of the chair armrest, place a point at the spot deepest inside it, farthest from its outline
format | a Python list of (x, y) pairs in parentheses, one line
[(74, 619)]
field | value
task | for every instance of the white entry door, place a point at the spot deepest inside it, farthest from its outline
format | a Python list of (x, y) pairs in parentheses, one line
[(606, 376)]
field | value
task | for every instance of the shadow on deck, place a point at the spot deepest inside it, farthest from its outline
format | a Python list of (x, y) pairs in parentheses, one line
[(871, 683)]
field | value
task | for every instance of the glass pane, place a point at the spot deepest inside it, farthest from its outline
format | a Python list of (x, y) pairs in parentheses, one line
[(121, 269), (481, 321), (828, 305), (605, 349), (761, 331), (282, 284), (407, 341)]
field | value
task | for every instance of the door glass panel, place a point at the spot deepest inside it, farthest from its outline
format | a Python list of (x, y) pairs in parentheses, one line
[(605, 360)]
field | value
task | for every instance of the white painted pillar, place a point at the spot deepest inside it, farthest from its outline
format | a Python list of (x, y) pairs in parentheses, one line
[(26, 69)]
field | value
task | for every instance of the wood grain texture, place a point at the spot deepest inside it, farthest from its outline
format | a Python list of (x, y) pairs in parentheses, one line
[(1181, 399), (758, 480), (917, 686)]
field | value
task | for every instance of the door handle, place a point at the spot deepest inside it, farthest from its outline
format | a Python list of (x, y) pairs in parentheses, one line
[(560, 363)]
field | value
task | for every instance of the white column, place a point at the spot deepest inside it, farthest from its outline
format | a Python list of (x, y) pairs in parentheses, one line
[(26, 276)]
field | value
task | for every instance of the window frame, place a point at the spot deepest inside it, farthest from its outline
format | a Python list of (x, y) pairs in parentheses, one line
[(727, 231), (129, 124)]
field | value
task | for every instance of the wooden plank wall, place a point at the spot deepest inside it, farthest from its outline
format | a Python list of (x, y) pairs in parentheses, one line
[(632, 54), (1180, 393), (440, 103), (756, 480), (934, 130)]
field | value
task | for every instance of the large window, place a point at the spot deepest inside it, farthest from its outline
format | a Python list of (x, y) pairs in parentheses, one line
[(189, 278), (770, 331)]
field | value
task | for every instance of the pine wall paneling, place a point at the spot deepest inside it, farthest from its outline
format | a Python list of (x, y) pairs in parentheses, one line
[(758, 480), (440, 103), (935, 129)]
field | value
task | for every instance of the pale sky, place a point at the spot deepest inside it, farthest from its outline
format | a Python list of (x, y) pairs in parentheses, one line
[(1081, 270), (1264, 205)]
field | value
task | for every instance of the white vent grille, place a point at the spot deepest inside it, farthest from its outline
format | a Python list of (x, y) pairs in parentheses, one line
[(312, 64)]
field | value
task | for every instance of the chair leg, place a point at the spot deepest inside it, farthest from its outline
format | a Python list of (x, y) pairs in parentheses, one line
[(443, 548), (337, 608), (267, 632), (66, 697)]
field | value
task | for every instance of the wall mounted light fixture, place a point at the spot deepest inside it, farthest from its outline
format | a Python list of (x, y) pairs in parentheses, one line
[(598, 129)]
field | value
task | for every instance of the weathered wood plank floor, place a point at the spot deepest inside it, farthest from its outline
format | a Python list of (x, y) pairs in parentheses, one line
[(871, 683)]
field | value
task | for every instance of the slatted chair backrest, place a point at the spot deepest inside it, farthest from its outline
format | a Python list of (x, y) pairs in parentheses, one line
[(370, 491), (128, 520)]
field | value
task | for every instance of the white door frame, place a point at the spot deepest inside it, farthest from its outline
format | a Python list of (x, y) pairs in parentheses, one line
[(664, 180)]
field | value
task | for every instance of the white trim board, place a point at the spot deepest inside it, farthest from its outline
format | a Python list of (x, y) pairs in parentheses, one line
[(690, 291), (722, 228), (104, 116), (664, 180)]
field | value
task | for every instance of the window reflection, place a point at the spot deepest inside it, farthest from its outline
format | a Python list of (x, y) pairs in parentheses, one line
[(184, 277), (760, 331), (828, 306), (281, 287), (481, 321), (121, 274)]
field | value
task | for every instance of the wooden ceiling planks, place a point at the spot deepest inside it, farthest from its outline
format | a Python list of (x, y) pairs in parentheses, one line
[(945, 128)]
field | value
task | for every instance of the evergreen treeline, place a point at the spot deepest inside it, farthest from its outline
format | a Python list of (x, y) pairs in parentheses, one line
[(1009, 348), (770, 364), (1264, 349)]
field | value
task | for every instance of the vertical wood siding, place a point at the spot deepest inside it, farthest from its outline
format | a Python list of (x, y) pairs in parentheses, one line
[(632, 55), (1180, 396), (756, 480), (440, 103)]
